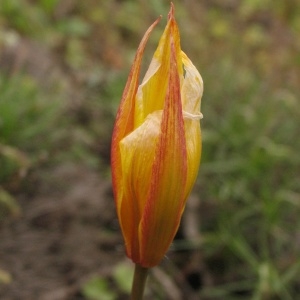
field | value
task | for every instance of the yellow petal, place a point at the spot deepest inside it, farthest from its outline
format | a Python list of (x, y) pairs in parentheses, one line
[(191, 93), (192, 89), (137, 153)]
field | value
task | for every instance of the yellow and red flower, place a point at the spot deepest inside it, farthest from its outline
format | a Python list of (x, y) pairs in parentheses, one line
[(156, 147)]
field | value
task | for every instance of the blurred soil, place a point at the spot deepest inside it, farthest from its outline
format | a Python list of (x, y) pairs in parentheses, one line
[(60, 240)]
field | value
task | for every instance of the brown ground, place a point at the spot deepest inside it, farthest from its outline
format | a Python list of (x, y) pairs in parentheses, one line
[(67, 231)]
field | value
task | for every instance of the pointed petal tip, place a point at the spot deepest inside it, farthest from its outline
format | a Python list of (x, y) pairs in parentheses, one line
[(158, 19), (171, 12)]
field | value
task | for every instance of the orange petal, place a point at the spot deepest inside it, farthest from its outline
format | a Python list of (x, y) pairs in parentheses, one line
[(165, 199)]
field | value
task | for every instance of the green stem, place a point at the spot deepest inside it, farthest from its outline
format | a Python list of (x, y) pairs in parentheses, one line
[(139, 282)]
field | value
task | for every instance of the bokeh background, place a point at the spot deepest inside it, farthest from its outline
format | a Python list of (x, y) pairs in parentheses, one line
[(63, 66)]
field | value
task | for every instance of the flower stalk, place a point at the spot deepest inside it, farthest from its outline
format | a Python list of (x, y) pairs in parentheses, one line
[(139, 282)]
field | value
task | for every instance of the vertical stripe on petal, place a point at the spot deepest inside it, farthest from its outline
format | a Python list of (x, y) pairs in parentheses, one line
[(165, 198)]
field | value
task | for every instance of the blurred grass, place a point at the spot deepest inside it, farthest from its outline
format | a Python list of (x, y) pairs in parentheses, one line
[(29, 133), (248, 55)]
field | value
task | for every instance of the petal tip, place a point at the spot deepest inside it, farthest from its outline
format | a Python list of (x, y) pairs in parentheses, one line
[(171, 12)]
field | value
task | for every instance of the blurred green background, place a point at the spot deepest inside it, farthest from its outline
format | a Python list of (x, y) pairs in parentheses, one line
[(63, 66)]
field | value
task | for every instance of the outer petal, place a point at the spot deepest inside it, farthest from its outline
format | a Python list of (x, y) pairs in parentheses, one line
[(124, 125), (137, 152), (165, 199)]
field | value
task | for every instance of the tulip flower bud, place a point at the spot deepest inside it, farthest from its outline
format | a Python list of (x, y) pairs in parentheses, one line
[(156, 147)]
